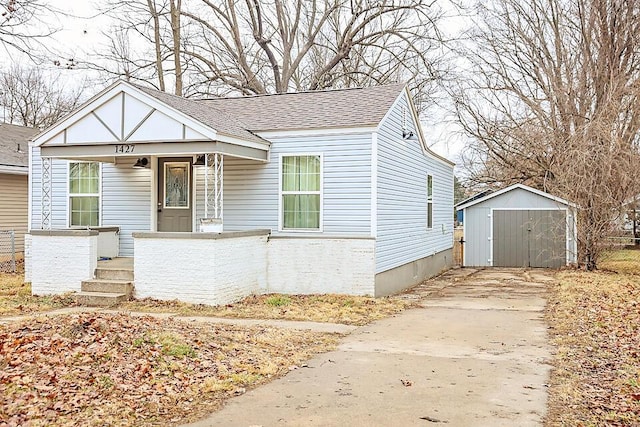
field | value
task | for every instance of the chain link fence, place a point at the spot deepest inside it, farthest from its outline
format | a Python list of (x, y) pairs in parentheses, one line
[(7, 251)]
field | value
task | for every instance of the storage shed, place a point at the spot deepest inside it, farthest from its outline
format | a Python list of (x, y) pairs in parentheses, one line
[(519, 226)]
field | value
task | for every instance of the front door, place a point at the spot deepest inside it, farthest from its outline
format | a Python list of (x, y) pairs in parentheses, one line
[(174, 194)]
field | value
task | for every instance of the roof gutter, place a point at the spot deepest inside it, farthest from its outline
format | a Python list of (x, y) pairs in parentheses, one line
[(14, 170)]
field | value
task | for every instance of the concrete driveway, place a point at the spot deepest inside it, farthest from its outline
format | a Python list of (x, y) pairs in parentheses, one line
[(473, 355)]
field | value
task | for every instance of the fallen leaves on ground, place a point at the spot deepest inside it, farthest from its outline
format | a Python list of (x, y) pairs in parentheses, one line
[(116, 369), (16, 298), (594, 320), (345, 309)]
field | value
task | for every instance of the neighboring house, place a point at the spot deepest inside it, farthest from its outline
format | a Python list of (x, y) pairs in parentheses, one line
[(518, 226), (317, 192), (14, 171)]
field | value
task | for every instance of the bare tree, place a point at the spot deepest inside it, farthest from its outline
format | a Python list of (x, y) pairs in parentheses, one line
[(254, 47), (551, 99), (28, 97), (144, 45), (23, 23), (266, 46)]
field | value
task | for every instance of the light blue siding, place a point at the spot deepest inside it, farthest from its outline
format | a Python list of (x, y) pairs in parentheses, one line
[(125, 197), (126, 200), (251, 188), (59, 182), (403, 166)]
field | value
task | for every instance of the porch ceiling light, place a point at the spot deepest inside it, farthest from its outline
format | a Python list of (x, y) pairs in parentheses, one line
[(199, 160), (142, 162)]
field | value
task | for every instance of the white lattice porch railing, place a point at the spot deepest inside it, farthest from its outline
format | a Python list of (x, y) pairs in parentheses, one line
[(45, 198), (213, 185)]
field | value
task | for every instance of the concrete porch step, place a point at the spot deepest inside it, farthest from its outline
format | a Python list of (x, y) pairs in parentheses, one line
[(99, 299), (107, 273), (108, 286)]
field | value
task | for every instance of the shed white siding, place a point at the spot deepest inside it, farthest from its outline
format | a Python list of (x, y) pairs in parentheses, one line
[(402, 169), (477, 235), (125, 197), (251, 188)]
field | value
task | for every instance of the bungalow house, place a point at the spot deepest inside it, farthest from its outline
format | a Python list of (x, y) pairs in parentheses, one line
[(14, 171), (210, 200)]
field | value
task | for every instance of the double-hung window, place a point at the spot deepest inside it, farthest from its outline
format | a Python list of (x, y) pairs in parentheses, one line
[(429, 201), (84, 194), (301, 187)]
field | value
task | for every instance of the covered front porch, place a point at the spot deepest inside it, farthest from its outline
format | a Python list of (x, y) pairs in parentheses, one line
[(139, 160)]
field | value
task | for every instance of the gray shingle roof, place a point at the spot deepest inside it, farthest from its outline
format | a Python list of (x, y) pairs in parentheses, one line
[(311, 110), (205, 114), (241, 116), (10, 137)]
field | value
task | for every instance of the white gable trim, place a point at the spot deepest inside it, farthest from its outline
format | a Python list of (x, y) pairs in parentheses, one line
[(513, 187), (107, 95)]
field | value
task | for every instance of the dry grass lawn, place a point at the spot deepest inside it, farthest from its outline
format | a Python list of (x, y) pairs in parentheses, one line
[(116, 369), (595, 325), (349, 310), (16, 298), (622, 261)]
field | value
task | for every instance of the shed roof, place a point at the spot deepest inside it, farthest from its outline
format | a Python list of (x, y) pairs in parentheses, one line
[(354, 107), (14, 144), (475, 201)]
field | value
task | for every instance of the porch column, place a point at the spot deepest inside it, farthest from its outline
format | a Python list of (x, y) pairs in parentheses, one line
[(213, 185), (45, 198)]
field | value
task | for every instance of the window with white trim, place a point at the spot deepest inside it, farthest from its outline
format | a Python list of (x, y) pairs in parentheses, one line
[(429, 201), (301, 192), (84, 194)]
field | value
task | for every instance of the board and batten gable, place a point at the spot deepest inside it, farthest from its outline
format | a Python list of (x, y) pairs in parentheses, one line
[(125, 197), (251, 189), (402, 235), (478, 220)]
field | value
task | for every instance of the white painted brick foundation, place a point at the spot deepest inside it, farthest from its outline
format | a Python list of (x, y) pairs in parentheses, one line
[(200, 268), (206, 268), (321, 266), (211, 268), (60, 260)]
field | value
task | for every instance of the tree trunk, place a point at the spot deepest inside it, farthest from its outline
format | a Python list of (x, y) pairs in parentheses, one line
[(157, 42)]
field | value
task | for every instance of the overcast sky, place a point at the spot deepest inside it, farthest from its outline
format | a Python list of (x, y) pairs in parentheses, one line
[(82, 33)]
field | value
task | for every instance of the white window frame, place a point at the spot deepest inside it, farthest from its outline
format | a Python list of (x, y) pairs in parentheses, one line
[(429, 202), (69, 195), (282, 193)]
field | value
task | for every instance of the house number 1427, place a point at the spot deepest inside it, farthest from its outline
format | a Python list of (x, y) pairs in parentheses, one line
[(124, 148)]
